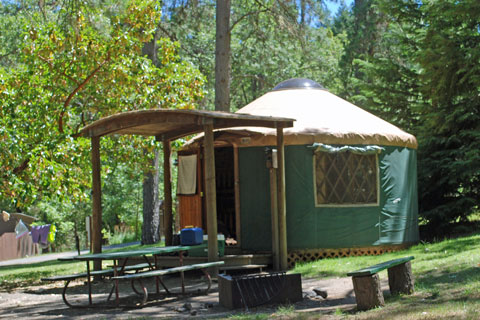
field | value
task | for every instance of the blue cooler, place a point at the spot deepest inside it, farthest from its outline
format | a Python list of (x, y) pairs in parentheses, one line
[(191, 236)]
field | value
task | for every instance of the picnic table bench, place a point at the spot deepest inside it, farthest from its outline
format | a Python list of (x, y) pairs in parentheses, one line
[(162, 272), (105, 272), (121, 269), (366, 282)]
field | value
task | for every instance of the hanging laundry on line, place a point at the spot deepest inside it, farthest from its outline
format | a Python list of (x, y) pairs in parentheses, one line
[(40, 234), (51, 234), (20, 229)]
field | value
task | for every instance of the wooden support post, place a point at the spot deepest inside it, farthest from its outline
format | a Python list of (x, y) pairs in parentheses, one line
[(236, 173), (167, 190), (368, 292), (274, 216), (282, 215), (211, 196), (96, 202), (400, 279)]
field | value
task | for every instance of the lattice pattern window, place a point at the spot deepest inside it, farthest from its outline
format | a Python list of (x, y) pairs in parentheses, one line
[(345, 178)]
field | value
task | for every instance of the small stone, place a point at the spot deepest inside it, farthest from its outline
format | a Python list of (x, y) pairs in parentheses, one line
[(193, 312), (321, 293), (309, 294), (188, 306), (180, 309)]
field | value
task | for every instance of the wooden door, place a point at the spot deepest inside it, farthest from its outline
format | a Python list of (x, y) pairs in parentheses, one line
[(190, 206)]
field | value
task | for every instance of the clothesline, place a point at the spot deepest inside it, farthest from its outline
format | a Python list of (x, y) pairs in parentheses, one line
[(43, 235)]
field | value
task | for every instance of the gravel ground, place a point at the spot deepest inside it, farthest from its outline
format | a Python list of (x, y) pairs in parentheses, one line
[(45, 302)]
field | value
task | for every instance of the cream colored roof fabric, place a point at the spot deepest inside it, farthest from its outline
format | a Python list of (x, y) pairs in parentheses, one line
[(320, 117)]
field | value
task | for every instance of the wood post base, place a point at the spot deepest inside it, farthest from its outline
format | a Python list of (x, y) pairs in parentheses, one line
[(368, 292), (400, 279)]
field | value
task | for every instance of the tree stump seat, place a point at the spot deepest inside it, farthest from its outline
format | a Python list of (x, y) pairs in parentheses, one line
[(366, 282)]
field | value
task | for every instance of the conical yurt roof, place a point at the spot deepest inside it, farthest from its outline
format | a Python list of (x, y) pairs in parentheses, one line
[(321, 117)]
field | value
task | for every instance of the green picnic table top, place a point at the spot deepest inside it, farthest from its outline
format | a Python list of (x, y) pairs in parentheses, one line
[(134, 253), (379, 267)]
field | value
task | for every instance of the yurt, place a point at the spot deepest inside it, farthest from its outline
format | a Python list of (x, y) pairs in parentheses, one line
[(350, 178)]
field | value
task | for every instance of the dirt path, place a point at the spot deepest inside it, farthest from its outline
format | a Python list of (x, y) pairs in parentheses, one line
[(45, 302)]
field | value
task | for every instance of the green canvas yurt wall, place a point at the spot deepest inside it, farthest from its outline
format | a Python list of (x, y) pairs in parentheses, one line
[(393, 221), (325, 123)]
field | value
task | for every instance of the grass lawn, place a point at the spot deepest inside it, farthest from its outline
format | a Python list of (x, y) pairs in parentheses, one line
[(447, 282)]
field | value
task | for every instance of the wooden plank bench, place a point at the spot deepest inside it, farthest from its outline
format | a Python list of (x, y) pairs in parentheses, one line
[(366, 282), (105, 272), (162, 272)]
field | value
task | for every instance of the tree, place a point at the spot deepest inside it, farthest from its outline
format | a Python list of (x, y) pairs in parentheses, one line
[(268, 44), (364, 29), (422, 77), (449, 158), (73, 68), (222, 56), (151, 231)]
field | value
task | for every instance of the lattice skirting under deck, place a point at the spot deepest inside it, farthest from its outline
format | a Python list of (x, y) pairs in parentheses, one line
[(308, 255)]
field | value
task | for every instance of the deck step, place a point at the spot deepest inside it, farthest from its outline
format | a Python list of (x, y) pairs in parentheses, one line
[(243, 267)]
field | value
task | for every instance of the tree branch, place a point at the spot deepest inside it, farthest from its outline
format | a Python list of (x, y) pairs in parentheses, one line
[(172, 37), (76, 90), (21, 167), (244, 16), (8, 54), (51, 67)]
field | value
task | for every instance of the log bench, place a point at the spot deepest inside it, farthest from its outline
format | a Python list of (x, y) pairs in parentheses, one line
[(162, 272), (366, 282)]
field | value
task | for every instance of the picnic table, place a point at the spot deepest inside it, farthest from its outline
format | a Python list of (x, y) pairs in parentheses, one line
[(120, 267)]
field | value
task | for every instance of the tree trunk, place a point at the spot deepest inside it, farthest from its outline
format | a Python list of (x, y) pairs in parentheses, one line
[(222, 56), (151, 204), (150, 48), (151, 231)]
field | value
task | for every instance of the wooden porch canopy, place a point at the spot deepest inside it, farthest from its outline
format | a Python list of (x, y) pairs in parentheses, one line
[(166, 125)]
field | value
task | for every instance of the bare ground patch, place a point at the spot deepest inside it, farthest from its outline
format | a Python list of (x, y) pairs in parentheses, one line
[(42, 302)]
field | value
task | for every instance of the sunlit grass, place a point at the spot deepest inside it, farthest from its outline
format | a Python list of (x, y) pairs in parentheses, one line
[(447, 280), (28, 275), (448, 256), (24, 275)]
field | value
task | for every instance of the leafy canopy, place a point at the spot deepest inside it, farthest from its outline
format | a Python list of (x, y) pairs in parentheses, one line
[(75, 66)]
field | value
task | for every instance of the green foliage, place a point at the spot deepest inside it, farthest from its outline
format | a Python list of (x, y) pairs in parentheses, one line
[(76, 64), (269, 44), (10, 34), (422, 75), (122, 197), (123, 237), (255, 70), (450, 161), (68, 218)]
